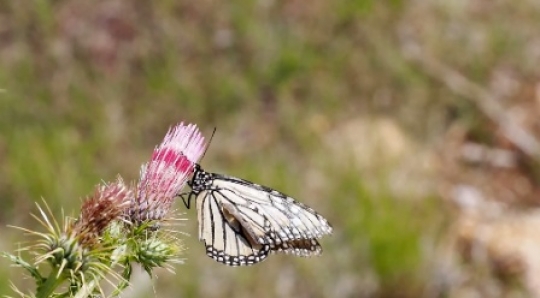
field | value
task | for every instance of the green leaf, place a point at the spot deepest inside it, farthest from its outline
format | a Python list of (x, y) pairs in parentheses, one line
[(31, 269)]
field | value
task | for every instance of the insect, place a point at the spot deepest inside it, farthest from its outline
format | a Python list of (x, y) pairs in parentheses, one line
[(241, 222)]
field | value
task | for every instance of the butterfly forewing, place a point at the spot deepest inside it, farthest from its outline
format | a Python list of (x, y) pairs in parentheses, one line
[(276, 218), (288, 218)]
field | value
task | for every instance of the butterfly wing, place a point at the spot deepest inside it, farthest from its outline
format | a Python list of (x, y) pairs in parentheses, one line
[(302, 248), (226, 240), (272, 218)]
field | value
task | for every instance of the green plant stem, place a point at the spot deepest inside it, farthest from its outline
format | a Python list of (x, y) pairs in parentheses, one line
[(124, 283), (86, 289), (52, 282)]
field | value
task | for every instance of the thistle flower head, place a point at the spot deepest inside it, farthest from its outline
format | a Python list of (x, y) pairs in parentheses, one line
[(107, 204), (164, 176)]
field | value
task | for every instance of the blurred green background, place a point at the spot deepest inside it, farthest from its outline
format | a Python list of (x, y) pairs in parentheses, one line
[(328, 101)]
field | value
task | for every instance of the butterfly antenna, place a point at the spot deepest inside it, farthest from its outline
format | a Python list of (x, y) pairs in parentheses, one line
[(209, 141)]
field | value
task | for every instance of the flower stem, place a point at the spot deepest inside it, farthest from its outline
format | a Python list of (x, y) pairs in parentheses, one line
[(86, 290), (52, 282)]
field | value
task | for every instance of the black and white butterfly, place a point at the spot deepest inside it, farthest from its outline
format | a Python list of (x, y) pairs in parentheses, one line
[(241, 222)]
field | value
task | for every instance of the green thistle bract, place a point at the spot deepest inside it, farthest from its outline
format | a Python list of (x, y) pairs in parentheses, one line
[(156, 252)]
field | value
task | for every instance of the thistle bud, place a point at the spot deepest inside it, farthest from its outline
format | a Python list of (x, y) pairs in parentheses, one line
[(157, 252)]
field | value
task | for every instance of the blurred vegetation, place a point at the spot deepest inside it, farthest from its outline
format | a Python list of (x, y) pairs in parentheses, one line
[(319, 99)]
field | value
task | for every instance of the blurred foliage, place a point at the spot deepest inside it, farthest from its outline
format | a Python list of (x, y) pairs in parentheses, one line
[(88, 88)]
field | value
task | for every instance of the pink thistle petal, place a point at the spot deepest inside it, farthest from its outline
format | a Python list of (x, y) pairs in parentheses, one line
[(167, 172)]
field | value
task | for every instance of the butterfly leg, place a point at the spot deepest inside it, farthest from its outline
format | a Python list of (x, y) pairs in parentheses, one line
[(186, 199)]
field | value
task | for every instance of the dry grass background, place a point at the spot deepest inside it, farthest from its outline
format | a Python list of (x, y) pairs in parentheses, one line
[(411, 125)]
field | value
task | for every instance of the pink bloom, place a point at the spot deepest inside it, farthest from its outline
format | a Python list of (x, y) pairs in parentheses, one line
[(164, 176)]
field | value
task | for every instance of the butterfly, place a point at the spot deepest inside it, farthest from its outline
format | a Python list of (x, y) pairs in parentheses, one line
[(241, 222)]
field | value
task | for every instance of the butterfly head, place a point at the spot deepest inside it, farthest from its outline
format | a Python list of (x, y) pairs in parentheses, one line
[(201, 180)]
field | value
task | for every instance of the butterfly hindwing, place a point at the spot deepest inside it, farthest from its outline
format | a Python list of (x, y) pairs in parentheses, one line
[(302, 248), (225, 238)]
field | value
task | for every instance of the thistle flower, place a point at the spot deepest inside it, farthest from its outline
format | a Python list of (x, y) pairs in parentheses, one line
[(164, 176), (107, 204)]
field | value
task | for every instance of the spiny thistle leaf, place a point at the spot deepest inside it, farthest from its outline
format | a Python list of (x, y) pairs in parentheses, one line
[(22, 263)]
